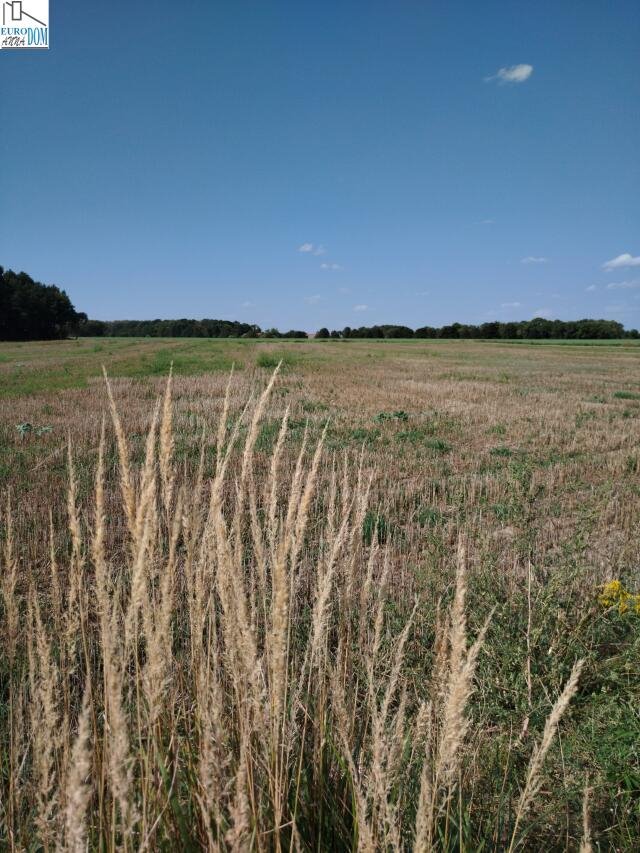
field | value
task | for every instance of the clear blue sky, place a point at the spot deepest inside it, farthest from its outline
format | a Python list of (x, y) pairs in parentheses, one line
[(170, 159)]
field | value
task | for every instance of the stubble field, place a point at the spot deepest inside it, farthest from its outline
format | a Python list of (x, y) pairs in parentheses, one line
[(390, 604)]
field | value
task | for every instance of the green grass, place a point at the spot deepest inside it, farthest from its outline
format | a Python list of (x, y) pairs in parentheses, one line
[(633, 343), (270, 360), (187, 363), (36, 367), (626, 395)]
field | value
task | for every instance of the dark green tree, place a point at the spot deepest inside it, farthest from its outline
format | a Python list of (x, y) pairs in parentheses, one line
[(30, 310)]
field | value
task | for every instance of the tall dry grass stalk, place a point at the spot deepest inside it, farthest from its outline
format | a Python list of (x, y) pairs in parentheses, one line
[(453, 689), (585, 842), (79, 783), (534, 771), (222, 663)]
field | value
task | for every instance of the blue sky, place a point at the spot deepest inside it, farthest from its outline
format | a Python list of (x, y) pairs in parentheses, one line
[(443, 160)]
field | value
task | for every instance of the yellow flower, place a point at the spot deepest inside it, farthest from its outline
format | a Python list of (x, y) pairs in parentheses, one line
[(614, 594), (611, 593)]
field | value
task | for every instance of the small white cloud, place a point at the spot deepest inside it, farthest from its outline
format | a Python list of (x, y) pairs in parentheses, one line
[(330, 267), (487, 222), (531, 259), (422, 293), (510, 305), (311, 248), (591, 288), (624, 285), (512, 74), (344, 290), (624, 260), (247, 304), (360, 307), (547, 313), (313, 300)]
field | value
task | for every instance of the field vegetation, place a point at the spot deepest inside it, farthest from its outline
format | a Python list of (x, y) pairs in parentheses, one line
[(348, 595)]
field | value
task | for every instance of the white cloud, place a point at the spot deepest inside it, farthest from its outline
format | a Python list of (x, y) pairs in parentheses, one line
[(487, 222), (591, 288), (360, 307), (624, 285), (512, 74), (531, 259), (344, 290), (624, 260), (311, 248), (422, 293), (313, 300), (330, 267), (247, 304), (511, 305)]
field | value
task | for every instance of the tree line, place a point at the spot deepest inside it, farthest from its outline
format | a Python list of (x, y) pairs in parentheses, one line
[(538, 328), (181, 329), (30, 310)]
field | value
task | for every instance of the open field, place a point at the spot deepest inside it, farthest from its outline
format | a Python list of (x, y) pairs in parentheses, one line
[(241, 643), (27, 368)]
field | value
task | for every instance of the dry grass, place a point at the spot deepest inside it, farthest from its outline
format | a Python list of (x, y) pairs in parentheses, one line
[(261, 618)]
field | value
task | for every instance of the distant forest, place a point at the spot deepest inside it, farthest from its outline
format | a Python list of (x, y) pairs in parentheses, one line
[(181, 329), (537, 328), (30, 310)]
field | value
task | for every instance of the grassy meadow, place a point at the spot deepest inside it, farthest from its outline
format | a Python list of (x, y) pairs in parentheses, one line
[(385, 597)]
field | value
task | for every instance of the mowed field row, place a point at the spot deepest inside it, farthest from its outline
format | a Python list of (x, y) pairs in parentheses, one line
[(32, 367)]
